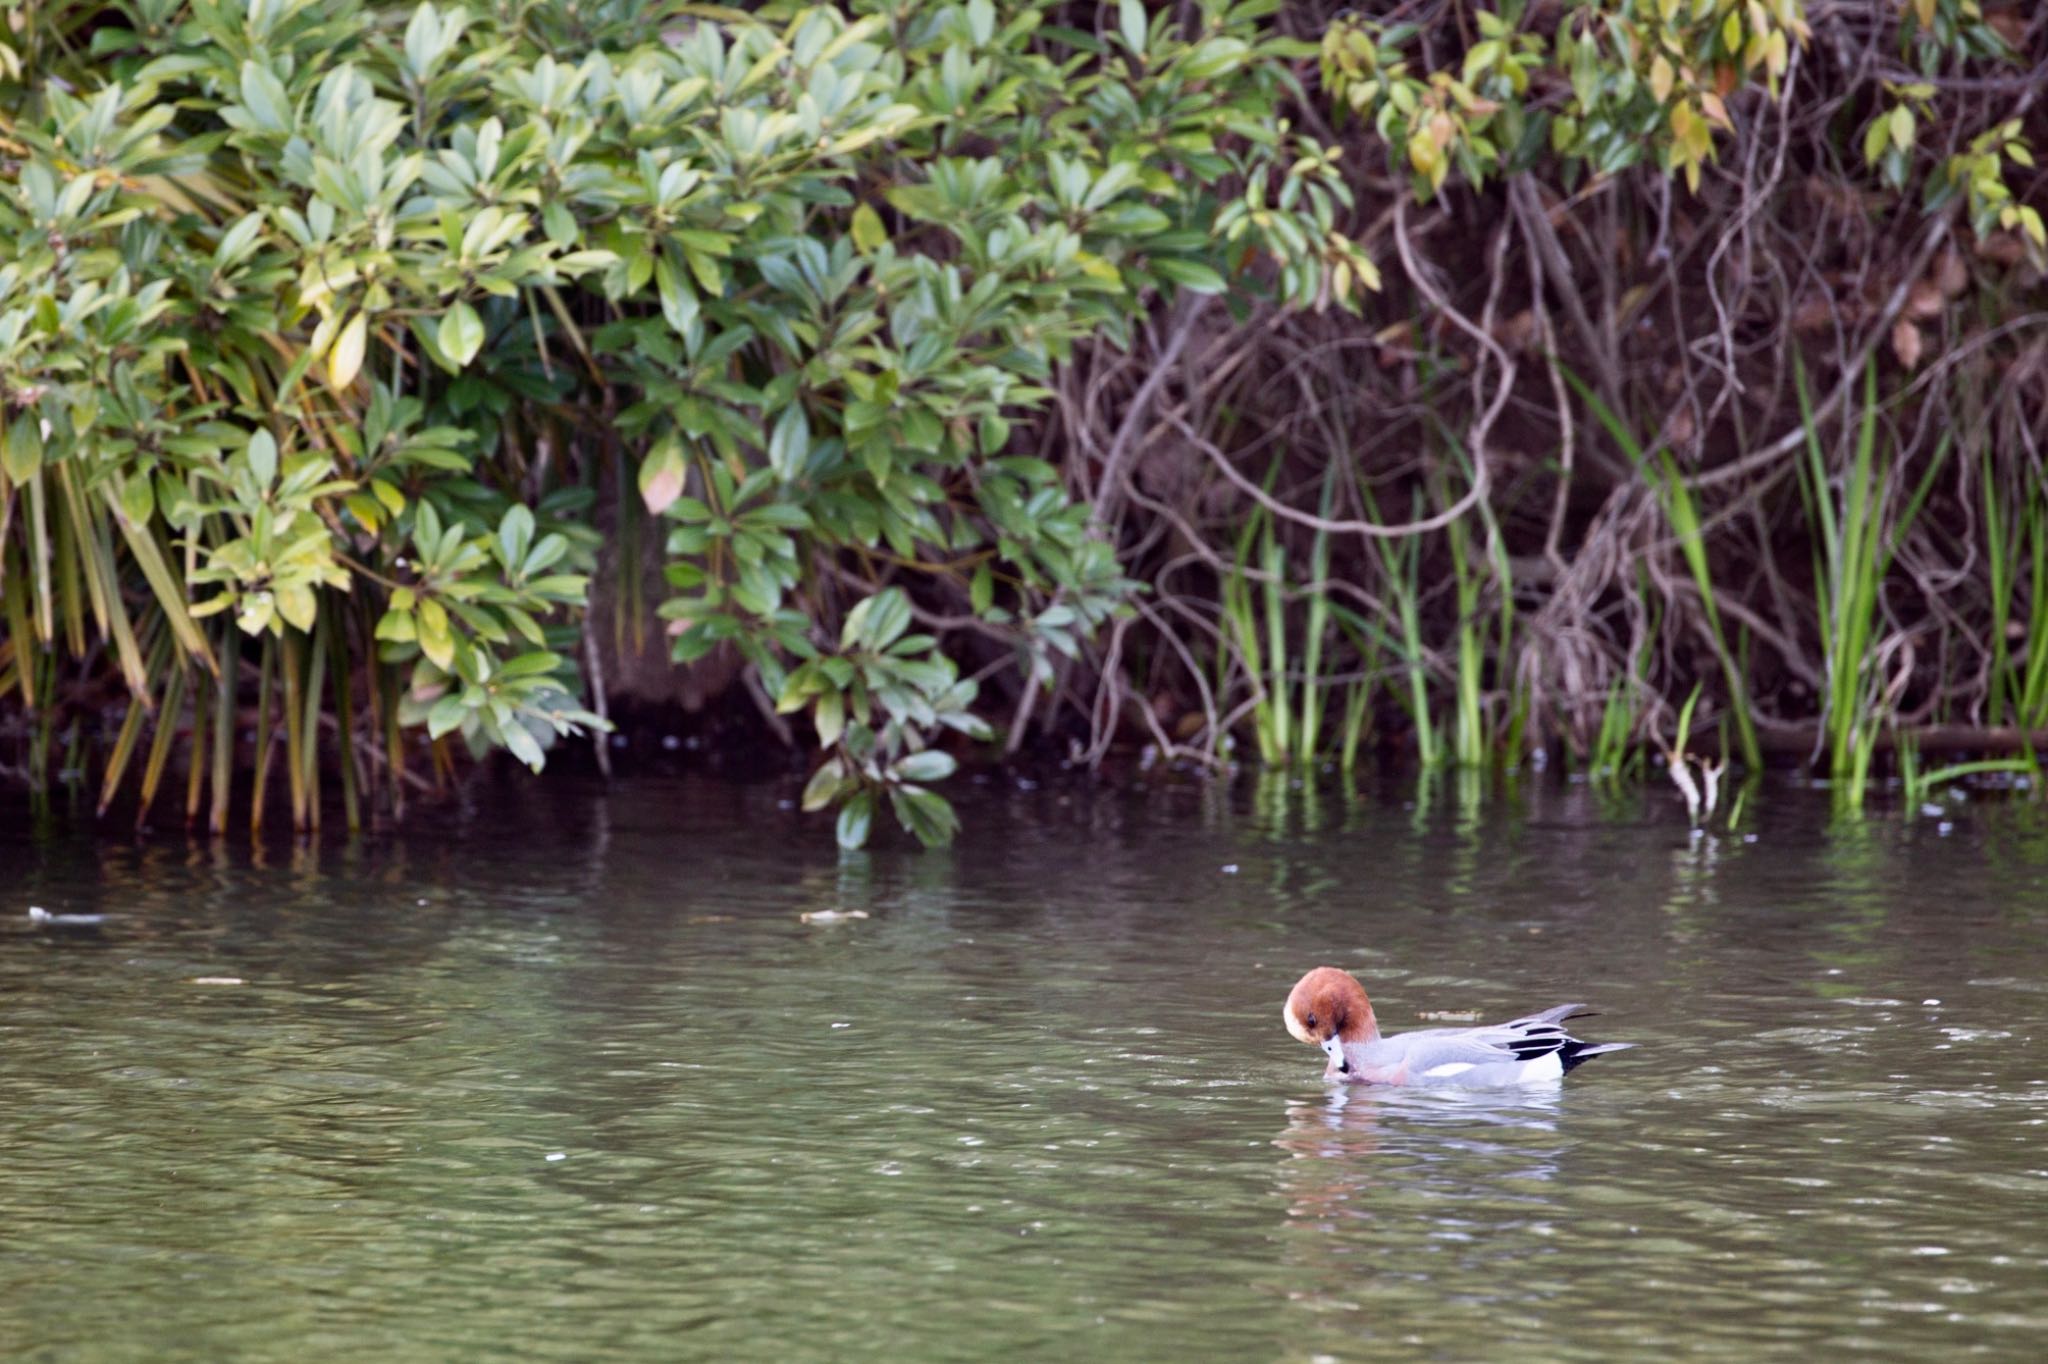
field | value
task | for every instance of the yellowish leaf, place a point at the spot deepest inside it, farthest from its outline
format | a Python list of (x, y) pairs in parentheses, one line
[(1902, 127), (1422, 152), (1661, 77), (868, 232), (345, 360), (2031, 224)]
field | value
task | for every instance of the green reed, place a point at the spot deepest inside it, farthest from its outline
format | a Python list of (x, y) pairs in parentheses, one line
[(2017, 542), (1859, 533)]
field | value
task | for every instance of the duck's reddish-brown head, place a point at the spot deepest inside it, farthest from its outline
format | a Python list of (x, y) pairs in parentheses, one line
[(1328, 1006)]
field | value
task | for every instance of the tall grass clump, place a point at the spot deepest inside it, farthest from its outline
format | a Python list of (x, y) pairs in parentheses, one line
[(1859, 531)]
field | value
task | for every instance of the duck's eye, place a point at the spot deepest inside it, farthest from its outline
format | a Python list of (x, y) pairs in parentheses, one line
[(1310, 1021)]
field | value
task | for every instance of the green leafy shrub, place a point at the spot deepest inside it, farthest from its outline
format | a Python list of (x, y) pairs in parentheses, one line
[(324, 322)]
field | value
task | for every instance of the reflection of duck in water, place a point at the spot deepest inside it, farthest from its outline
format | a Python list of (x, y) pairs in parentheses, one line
[(1447, 1156), (1329, 1009)]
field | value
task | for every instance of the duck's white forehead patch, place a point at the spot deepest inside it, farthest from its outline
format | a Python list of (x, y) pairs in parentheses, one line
[(1294, 1027)]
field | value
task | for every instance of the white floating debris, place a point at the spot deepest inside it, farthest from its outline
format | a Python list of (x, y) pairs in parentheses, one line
[(43, 918), (832, 916), (1930, 1001), (218, 980), (1230, 868), (558, 1155)]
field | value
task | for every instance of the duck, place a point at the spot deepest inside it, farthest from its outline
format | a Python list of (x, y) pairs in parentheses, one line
[(1328, 1008)]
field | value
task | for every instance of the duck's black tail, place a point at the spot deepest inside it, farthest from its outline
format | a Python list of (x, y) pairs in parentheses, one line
[(1574, 1051)]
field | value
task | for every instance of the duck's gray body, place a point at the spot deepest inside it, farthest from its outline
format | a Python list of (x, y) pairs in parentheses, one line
[(1532, 1050)]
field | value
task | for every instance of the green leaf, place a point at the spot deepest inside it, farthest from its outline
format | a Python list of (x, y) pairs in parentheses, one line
[(461, 334), (559, 222), (515, 535), (263, 458), (927, 814), (448, 713), (829, 717), (789, 444), (263, 95), (435, 641), (1190, 275), (876, 622), (519, 739), (138, 500), (823, 787), (23, 454), (854, 819), (1130, 18), (868, 233), (296, 603), (929, 765)]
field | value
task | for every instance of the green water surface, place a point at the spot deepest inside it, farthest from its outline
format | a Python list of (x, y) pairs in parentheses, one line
[(559, 1074)]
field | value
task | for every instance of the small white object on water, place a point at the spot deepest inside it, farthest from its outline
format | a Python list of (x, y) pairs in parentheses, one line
[(558, 1155), (1930, 1001), (43, 918), (1230, 868), (218, 980), (842, 1025), (832, 916)]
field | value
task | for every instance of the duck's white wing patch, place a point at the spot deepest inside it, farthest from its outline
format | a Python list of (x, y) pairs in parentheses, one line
[(1447, 1070)]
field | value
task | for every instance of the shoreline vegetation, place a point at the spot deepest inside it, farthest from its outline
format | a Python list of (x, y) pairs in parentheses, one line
[(1650, 389)]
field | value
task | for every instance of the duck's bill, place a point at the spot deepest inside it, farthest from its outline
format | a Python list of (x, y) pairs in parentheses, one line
[(1334, 1049)]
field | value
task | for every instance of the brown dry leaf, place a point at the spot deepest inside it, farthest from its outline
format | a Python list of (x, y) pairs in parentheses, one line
[(1925, 300), (1906, 343), (1815, 313), (1951, 272), (2008, 24), (1681, 428), (2002, 247), (1515, 332)]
